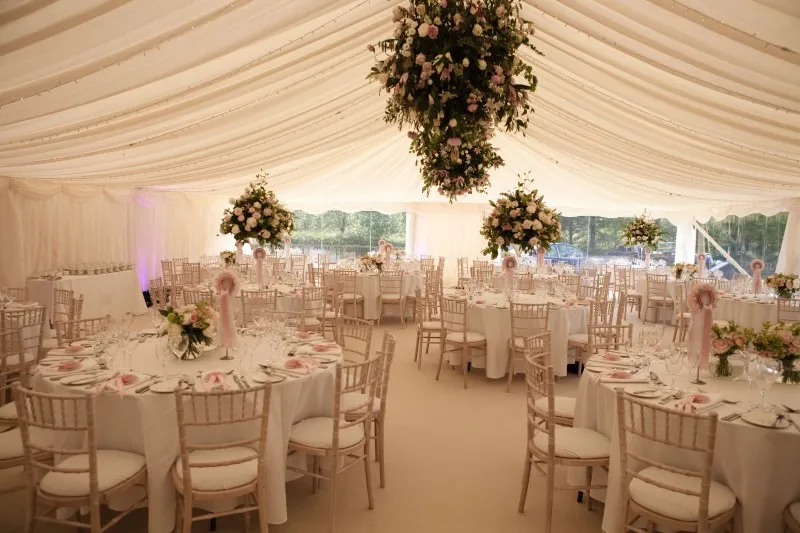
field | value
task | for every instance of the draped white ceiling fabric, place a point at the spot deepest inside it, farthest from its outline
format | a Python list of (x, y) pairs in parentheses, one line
[(689, 108)]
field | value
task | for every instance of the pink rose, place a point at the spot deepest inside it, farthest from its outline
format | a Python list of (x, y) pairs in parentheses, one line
[(454, 141), (443, 3), (785, 336), (433, 31), (796, 344), (738, 340), (720, 345), (472, 108)]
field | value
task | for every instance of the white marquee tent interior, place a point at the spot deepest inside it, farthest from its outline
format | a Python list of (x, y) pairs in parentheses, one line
[(125, 126)]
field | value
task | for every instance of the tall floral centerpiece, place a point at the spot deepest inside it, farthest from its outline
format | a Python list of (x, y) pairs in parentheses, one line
[(725, 341), (784, 285), (371, 262), (192, 326), (781, 341), (643, 231), (520, 219), (684, 270), (257, 215), (228, 257), (453, 75)]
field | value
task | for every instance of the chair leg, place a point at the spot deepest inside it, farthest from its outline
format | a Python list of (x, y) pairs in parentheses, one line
[(186, 508), (178, 513), (94, 517), (441, 357), (417, 346), (246, 518), (263, 525), (314, 469), (464, 351), (428, 344), (332, 496), (30, 512), (510, 367), (380, 429), (548, 510), (588, 488), (526, 480), (368, 474)]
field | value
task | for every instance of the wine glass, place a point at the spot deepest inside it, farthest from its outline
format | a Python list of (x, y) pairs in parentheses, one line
[(769, 371), (164, 353), (156, 318), (693, 365), (673, 363)]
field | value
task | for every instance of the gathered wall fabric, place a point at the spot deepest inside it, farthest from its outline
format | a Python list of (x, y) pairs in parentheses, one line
[(789, 258)]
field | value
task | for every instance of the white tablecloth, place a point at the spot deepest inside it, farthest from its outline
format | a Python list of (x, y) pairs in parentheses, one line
[(112, 294), (759, 465), (749, 313), (663, 315), (369, 286), (147, 424), (493, 319)]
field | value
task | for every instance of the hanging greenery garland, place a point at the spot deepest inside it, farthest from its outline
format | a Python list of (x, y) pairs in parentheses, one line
[(452, 75)]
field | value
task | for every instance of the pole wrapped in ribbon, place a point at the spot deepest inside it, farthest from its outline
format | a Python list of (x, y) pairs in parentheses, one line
[(287, 247), (387, 253), (260, 254), (227, 284), (239, 253), (757, 265), (540, 257), (510, 264), (646, 256), (701, 301), (701, 265)]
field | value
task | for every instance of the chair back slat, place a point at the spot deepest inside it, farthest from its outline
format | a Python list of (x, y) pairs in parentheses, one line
[(454, 314), (528, 319), (31, 321), (788, 310), (354, 336), (76, 330), (350, 378), (257, 302)]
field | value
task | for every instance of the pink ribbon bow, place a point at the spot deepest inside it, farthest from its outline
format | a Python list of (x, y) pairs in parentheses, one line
[(214, 378)]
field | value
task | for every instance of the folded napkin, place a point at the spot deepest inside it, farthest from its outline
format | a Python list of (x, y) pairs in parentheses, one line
[(298, 365), (697, 403), (326, 347), (214, 378), (66, 366), (119, 384), (623, 376), (600, 361), (71, 352)]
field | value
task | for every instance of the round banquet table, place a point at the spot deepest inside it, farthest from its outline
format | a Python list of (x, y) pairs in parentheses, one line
[(369, 285), (492, 318), (746, 311), (758, 464), (146, 424)]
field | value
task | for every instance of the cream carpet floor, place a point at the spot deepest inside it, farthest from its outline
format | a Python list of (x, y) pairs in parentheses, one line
[(454, 463)]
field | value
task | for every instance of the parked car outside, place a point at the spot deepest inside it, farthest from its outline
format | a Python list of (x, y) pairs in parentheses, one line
[(562, 252)]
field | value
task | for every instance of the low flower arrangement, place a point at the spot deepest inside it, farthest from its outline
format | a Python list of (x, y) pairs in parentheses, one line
[(228, 257), (684, 270), (784, 285), (642, 230), (781, 341), (520, 219), (257, 215), (195, 323), (725, 341), (371, 262)]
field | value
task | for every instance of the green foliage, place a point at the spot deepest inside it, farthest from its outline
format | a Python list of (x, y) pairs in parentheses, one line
[(747, 238), (336, 228), (599, 236)]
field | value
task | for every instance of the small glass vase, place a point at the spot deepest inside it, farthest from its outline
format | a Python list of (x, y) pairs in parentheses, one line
[(791, 374), (722, 367)]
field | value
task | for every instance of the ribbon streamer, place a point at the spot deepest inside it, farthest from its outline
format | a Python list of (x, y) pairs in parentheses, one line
[(540, 257), (701, 265), (260, 271), (757, 280), (226, 319)]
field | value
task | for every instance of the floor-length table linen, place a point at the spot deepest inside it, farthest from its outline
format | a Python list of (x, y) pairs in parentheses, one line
[(369, 286), (114, 293), (759, 465), (147, 424), (748, 312)]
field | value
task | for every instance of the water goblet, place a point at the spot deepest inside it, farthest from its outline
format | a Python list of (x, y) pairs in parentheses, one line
[(164, 353), (673, 363), (769, 371)]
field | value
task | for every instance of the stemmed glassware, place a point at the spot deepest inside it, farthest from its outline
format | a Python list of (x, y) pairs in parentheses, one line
[(769, 371), (673, 363), (164, 352)]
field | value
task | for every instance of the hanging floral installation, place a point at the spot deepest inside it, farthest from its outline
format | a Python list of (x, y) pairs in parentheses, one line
[(453, 75), (257, 215)]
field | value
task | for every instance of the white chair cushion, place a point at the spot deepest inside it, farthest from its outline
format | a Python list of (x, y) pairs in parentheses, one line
[(635, 294), (311, 321), (579, 338), (432, 325), (660, 298), (688, 315), (352, 399), (352, 296), (676, 505), (13, 360), (113, 467), (794, 511), (564, 406), (576, 443), (8, 411), (317, 432), (458, 337), (436, 317), (11, 444), (390, 297), (210, 478)]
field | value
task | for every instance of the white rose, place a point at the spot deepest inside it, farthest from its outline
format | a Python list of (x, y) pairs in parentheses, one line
[(476, 30), (545, 218), (257, 204), (251, 222), (531, 209), (465, 62), (453, 123), (796, 283), (482, 64), (536, 225), (501, 241), (235, 229), (423, 29), (495, 222), (515, 204), (527, 224)]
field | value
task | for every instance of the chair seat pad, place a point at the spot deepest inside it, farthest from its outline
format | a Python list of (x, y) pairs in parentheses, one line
[(676, 505), (564, 406), (633, 294), (659, 298), (211, 478), (317, 432), (13, 360), (688, 315), (113, 467), (576, 443), (436, 317), (352, 296), (351, 400), (578, 338), (431, 325), (311, 321), (11, 444), (8, 411), (390, 297), (458, 337)]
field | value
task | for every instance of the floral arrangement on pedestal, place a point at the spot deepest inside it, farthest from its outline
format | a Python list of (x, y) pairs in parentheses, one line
[(257, 215), (684, 270), (452, 74), (781, 341), (784, 285), (520, 219), (228, 257), (371, 262), (725, 341), (642, 230), (195, 324)]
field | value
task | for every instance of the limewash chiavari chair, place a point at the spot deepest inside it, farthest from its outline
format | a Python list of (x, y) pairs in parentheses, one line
[(391, 293), (538, 348), (788, 310), (440, 265), (681, 315), (526, 320), (525, 282), (62, 305), (426, 263), (256, 303), (179, 263), (600, 313), (242, 270), (340, 440), (230, 467), (192, 295), (355, 337), (463, 271), (315, 275), (297, 266), (550, 445), (76, 308), (351, 296), (192, 272), (313, 305), (11, 346), (623, 275), (334, 303), (278, 268), (571, 281), (672, 498), (428, 328), (78, 330), (31, 321), (601, 336), (657, 297), (454, 335), (18, 295), (82, 477), (158, 293)]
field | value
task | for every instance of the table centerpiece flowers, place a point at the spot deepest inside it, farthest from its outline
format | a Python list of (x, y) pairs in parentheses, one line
[(453, 74), (784, 285), (684, 270), (228, 257), (520, 220), (191, 327), (371, 262), (725, 341), (642, 231), (257, 215), (781, 341)]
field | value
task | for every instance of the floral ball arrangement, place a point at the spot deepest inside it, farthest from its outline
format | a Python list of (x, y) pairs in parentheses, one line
[(784, 285), (781, 341), (228, 257), (257, 215), (642, 230), (684, 270), (520, 219), (371, 262), (452, 75)]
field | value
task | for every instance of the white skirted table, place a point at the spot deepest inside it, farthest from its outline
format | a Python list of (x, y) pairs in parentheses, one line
[(746, 311), (114, 293), (369, 286), (146, 424), (492, 318), (758, 464)]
